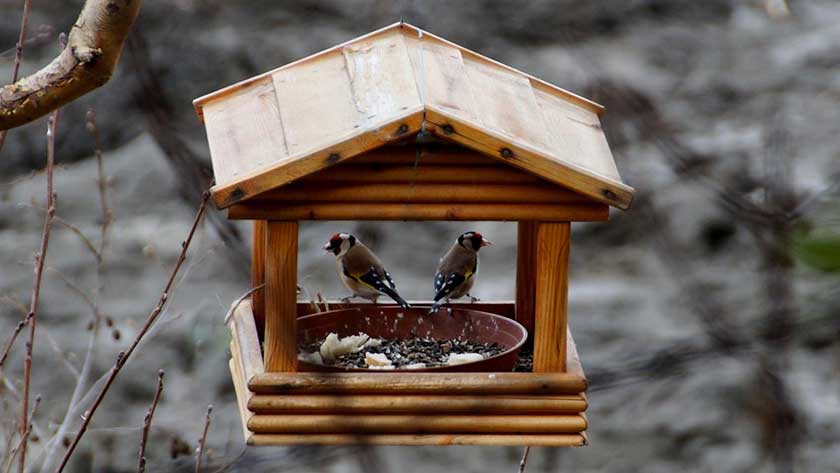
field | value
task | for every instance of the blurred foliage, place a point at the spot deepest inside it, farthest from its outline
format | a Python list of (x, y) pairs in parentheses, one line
[(819, 250)]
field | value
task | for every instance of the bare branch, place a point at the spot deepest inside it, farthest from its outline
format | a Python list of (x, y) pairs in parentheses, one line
[(524, 460), (90, 58), (11, 341), (201, 442), (27, 430), (36, 286), (24, 22), (150, 320), (84, 239), (147, 423), (239, 301)]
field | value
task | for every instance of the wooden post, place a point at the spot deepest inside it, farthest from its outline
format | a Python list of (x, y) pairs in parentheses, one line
[(281, 296), (258, 276), (552, 280), (526, 267)]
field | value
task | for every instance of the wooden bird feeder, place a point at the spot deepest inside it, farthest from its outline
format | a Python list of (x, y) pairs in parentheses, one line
[(402, 125)]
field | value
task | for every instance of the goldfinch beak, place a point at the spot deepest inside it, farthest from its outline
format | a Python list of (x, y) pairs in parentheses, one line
[(486, 243), (327, 247)]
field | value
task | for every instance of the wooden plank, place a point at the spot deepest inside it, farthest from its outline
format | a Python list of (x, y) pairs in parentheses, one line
[(503, 308), (416, 424), (413, 31), (316, 103), (415, 192), (324, 155), (245, 132), (418, 383), (414, 404), (441, 76), (552, 440), (551, 296), (258, 275), (381, 78), (248, 343), (241, 391), (267, 210), (422, 173), (410, 153), (526, 267), (505, 103), (281, 296), (573, 364), (574, 135), (522, 155), (222, 93)]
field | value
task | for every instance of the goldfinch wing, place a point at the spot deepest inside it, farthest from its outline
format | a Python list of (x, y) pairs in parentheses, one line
[(446, 283), (371, 278)]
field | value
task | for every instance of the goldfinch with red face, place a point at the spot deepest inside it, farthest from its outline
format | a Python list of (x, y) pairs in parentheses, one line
[(360, 270), (457, 269)]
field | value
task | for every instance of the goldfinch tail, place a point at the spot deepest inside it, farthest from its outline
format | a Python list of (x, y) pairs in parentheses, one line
[(393, 295)]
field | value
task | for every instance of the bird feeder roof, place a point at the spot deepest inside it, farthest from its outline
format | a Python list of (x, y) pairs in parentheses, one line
[(387, 86)]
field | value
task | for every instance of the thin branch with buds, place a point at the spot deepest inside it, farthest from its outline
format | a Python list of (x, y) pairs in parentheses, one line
[(24, 23), (36, 287), (123, 357), (202, 441), (147, 423), (524, 460), (25, 435)]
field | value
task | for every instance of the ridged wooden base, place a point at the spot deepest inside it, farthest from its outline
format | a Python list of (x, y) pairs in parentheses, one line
[(539, 409)]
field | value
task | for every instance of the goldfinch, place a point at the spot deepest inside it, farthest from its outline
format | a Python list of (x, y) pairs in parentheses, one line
[(457, 269), (360, 270)]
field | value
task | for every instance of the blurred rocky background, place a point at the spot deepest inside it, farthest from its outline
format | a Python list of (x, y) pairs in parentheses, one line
[(706, 316)]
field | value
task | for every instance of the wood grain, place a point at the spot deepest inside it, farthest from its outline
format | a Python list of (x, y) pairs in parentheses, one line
[(281, 296), (484, 173), (245, 132), (551, 296), (241, 390), (524, 155), (258, 275), (416, 424), (414, 404), (417, 192), (555, 440), (526, 270), (244, 333), (268, 210), (418, 383), (311, 160)]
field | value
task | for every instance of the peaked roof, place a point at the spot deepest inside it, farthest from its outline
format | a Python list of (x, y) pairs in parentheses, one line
[(277, 127)]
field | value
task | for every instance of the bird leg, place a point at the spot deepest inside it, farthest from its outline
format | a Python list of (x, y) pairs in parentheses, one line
[(346, 299), (472, 298)]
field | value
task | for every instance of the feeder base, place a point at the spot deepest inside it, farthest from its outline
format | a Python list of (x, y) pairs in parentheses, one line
[(397, 408)]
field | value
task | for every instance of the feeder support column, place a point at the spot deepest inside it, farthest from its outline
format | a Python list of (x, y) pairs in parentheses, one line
[(258, 275), (551, 296), (526, 263), (281, 296)]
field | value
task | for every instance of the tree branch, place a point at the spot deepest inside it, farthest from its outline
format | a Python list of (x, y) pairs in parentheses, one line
[(88, 62), (123, 357)]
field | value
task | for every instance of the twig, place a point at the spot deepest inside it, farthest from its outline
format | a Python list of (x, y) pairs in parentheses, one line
[(24, 23), (239, 301), (21, 446), (147, 423), (11, 341), (36, 285), (122, 357), (78, 232), (524, 460), (203, 439), (102, 180)]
